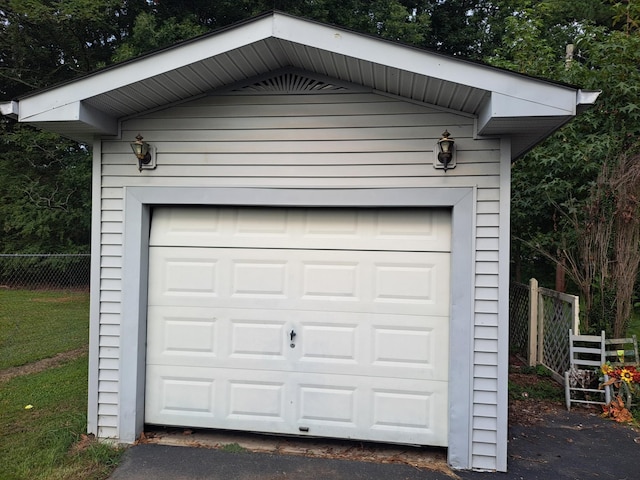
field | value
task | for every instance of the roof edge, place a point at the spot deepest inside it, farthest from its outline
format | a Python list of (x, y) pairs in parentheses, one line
[(10, 109)]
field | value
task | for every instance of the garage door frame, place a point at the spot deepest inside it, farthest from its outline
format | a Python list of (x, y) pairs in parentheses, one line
[(140, 200)]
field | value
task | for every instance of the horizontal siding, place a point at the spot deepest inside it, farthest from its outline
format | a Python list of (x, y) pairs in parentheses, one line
[(202, 140), (323, 182), (486, 306), (108, 398), (485, 423), (487, 281), (484, 462), (108, 386), (354, 140), (485, 436), (107, 432), (485, 383), (481, 331), (485, 371), (113, 319), (108, 363), (309, 121), (485, 358), (107, 409), (283, 172), (108, 375), (108, 420), (484, 449)]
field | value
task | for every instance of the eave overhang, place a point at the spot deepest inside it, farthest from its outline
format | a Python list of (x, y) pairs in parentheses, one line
[(505, 103)]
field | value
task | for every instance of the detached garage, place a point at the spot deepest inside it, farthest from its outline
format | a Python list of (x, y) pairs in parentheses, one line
[(312, 238)]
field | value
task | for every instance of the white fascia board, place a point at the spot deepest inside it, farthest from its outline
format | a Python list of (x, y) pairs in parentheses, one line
[(98, 121), (586, 98), (503, 106), (10, 109), (144, 67), (410, 59)]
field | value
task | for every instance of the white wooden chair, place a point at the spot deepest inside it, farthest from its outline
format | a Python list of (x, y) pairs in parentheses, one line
[(587, 353)]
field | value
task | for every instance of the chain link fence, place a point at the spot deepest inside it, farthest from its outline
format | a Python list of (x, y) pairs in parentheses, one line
[(44, 307), (54, 272)]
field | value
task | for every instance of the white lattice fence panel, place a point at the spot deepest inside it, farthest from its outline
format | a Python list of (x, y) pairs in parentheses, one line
[(519, 319), (558, 313)]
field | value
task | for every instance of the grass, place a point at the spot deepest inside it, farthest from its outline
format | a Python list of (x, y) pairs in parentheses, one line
[(47, 441), (534, 383), (36, 325), (233, 448)]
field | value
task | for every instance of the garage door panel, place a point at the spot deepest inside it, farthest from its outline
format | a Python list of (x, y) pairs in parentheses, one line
[(178, 394), (188, 335), (417, 347), (303, 228), (388, 409), (218, 398), (384, 409), (324, 342), (204, 336), (411, 413), (379, 345), (375, 282), (325, 322), (189, 278), (259, 340)]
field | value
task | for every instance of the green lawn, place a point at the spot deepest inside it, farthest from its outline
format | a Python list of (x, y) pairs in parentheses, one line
[(47, 440), (36, 325)]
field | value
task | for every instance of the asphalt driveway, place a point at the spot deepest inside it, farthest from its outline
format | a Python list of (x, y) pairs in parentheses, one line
[(565, 446)]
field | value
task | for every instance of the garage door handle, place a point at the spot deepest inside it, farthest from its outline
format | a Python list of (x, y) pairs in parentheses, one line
[(292, 334)]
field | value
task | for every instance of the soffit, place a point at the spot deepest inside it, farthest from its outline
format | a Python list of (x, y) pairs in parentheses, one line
[(273, 54), (92, 105)]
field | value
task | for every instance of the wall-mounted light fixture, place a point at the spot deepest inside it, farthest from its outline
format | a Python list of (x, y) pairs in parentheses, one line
[(145, 154), (445, 153)]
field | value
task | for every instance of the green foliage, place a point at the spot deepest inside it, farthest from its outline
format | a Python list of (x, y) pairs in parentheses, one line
[(45, 41), (567, 198), (45, 192), (534, 384), (149, 34), (233, 448), (44, 180)]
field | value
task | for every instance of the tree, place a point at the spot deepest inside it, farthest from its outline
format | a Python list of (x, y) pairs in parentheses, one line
[(575, 196), (45, 179), (45, 192)]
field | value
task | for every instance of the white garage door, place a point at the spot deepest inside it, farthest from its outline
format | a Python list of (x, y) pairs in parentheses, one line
[(323, 322)]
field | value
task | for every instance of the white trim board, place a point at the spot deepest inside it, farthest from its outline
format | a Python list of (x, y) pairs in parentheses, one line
[(140, 200)]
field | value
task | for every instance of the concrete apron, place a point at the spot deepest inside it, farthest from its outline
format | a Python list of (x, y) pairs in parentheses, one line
[(429, 458)]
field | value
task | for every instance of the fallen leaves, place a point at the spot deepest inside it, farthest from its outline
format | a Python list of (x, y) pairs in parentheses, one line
[(617, 411)]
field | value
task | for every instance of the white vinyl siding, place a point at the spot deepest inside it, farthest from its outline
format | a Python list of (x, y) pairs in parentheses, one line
[(314, 141)]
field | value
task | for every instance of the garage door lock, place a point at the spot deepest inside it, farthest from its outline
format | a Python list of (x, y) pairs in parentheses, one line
[(292, 335)]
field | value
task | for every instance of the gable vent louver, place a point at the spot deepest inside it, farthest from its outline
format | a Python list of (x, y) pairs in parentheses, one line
[(290, 83)]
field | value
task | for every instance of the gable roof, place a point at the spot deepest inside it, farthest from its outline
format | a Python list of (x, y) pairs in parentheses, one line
[(504, 103)]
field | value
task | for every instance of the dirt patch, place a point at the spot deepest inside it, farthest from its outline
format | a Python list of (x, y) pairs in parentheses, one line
[(421, 458), (532, 397), (41, 365), (55, 300), (531, 412)]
